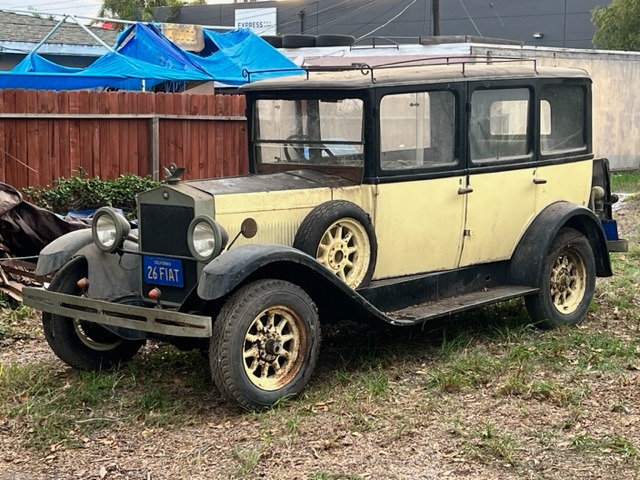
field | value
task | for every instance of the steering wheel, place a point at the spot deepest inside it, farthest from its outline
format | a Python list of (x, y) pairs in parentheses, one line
[(298, 148)]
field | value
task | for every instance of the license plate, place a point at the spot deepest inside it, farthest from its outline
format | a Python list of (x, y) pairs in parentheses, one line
[(163, 271)]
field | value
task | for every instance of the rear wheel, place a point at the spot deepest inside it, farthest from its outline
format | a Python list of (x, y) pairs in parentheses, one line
[(80, 344), (265, 343), (567, 283)]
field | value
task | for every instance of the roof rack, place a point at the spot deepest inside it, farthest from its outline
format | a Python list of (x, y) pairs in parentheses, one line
[(366, 69)]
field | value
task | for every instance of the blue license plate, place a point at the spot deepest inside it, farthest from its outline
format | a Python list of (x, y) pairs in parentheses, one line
[(163, 271)]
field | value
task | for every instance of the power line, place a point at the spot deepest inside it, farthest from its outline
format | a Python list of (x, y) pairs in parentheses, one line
[(388, 22), (469, 16)]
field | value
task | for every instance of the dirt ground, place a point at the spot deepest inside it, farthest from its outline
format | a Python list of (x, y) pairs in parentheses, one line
[(409, 435)]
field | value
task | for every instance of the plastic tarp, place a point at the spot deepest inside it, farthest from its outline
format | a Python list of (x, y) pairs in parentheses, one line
[(144, 57), (241, 51)]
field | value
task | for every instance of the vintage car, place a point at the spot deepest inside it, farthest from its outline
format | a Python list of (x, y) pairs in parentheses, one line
[(394, 195)]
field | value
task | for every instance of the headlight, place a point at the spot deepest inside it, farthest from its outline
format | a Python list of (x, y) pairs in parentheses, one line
[(109, 229), (206, 238)]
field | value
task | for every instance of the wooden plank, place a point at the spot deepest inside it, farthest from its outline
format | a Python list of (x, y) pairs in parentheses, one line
[(182, 129), (33, 142), (94, 128), (209, 157), (201, 158), (102, 164), (85, 159), (113, 161), (146, 105), (77, 168), (44, 159), (219, 136), (165, 147), (123, 146), (21, 153), (53, 135), (10, 165), (64, 127)]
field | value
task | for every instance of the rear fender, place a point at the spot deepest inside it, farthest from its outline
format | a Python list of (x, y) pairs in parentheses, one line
[(528, 259)]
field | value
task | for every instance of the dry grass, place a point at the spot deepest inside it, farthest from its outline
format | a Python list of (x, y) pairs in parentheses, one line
[(483, 396)]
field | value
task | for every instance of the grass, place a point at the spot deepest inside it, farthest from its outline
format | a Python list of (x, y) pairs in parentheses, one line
[(60, 408), (486, 387), (625, 181)]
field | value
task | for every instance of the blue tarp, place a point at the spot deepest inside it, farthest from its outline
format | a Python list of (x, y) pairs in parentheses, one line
[(144, 56)]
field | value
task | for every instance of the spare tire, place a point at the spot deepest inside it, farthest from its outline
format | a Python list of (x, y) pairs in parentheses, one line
[(298, 41), (335, 40), (340, 235), (273, 40)]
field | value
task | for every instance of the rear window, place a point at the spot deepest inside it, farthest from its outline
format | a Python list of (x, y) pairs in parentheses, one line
[(562, 119), (499, 124)]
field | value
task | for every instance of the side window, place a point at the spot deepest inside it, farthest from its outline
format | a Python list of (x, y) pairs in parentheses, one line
[(499, 124), (562, 119), (417, 130)]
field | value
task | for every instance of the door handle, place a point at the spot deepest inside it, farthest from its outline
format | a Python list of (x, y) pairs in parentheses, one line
[(465, 191), (539, 181)]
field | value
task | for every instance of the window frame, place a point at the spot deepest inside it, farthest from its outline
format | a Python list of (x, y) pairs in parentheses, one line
[(454, 168)]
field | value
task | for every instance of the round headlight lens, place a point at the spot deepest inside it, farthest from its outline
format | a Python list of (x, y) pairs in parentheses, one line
[(109, 229), (205, 238)]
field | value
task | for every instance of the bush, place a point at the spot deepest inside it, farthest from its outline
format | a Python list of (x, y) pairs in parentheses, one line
[(81, 193)]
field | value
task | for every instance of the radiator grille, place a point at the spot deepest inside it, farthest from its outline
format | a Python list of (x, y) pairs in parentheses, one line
[(163, 231)]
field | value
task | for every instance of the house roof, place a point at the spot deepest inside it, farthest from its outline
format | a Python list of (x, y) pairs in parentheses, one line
[(20, 33)]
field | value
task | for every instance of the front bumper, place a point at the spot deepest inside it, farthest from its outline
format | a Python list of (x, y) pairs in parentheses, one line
[(152, 320)]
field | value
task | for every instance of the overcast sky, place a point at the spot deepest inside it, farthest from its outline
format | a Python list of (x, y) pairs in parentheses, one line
[(86, 8)]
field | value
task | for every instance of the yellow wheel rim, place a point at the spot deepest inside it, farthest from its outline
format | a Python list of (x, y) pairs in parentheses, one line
[(85, 337), (568, 281), (345, 250), (274, 346)]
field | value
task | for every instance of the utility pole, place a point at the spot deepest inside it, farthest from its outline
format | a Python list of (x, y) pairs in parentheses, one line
[(435, 11)]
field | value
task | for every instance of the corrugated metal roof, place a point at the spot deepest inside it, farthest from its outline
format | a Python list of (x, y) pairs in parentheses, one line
[(29, 29)]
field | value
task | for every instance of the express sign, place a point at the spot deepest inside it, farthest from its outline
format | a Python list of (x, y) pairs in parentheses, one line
[(261, 21)]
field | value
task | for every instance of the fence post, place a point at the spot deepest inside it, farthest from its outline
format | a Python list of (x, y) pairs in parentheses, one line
[(154, 135)]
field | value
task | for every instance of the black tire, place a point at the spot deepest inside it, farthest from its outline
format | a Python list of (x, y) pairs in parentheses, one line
[(242, 355), (317, 236), (567, 283), (273, 40), (298, 41), (83, 345), (335, 40)]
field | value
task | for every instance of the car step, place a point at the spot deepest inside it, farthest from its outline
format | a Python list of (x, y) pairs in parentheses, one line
[(448, 306)]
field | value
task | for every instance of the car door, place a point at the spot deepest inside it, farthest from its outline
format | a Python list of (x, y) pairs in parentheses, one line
[(418, 213), (501, 188)]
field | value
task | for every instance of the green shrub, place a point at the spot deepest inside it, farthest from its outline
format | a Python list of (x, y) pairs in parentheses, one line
[(82, 193)]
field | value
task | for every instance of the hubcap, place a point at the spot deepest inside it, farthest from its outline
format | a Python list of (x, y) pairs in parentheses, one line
[(568, 281), (274, 348), (345, 250)]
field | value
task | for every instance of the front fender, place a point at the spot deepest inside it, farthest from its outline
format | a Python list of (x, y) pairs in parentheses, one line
[(527, 261), (225, 272), (60, 251), (250, 262)]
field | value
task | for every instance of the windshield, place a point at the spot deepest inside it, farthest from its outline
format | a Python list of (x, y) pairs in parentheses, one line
[(309, 132)]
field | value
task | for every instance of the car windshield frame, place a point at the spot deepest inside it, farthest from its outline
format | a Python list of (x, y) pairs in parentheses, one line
[(312, 130)]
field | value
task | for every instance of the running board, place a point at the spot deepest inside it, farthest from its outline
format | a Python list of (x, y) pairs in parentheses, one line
[(448, 306)]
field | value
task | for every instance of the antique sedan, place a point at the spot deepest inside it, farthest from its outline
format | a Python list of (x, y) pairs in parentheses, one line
[(390, 194)]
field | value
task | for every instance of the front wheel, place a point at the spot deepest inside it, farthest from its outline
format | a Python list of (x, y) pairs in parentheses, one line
[(265, 343), (567, 283), (80, 344)]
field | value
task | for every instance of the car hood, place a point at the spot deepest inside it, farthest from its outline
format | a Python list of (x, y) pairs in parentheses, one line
[(292, 180)]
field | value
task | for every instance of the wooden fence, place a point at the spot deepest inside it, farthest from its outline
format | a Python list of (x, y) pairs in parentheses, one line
[(45, 135)]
